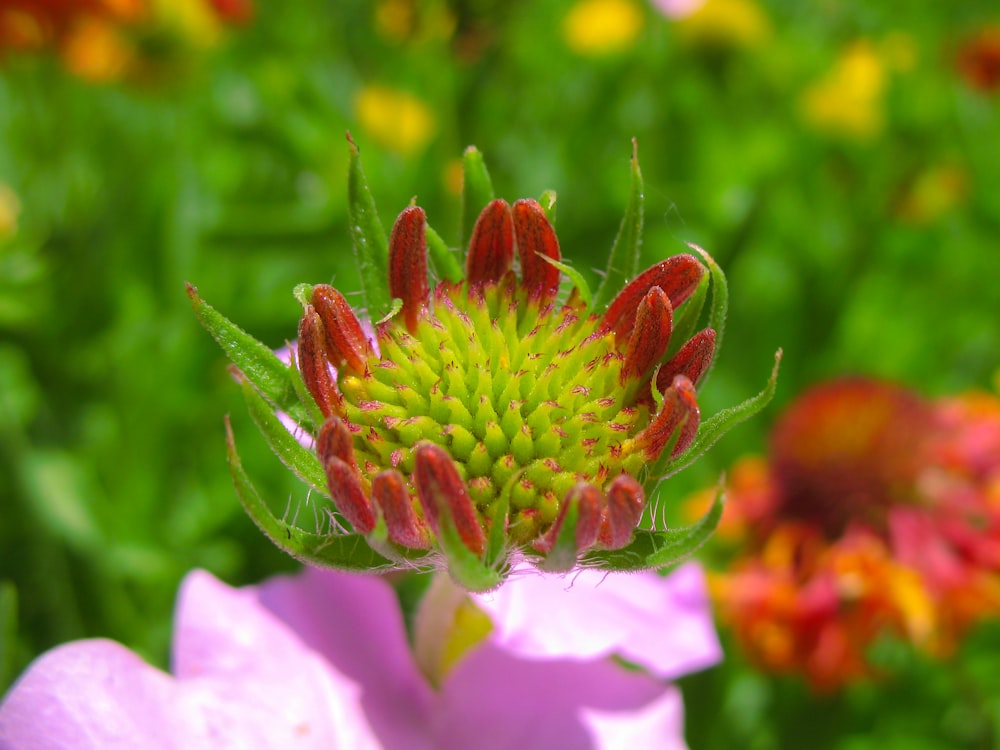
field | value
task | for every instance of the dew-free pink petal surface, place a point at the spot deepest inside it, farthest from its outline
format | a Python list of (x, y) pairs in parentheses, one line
[(662, 623)]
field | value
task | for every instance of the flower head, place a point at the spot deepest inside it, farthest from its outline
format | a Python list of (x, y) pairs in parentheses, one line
[(322, 660), (875, 513), (491, 415)]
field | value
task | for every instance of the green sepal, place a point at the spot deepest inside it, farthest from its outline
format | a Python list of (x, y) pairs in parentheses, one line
[(576, 278), (716, 426), (477, 191), (657, 549), (255, 360), (563, 556), (340, 551), (464, 565), (443, 260), (371, 248), (719, 307), (303, 462), (623, 263)]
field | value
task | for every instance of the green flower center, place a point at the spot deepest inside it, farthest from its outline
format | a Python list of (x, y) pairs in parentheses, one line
[(526, 399)]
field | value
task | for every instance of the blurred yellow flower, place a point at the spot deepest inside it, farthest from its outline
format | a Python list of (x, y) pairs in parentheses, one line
[(848, 100), (738, 23), (192, 20), (396, 119), (602, 27), (10, 208)]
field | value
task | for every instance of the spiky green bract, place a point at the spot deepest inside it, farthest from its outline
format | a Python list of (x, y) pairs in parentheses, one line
[(371, 248), (275, 380), (329, 550), (623, 262), (443, 261), (477, 190)]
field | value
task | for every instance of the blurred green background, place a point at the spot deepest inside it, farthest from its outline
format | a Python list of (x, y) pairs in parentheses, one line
[(839, 159)]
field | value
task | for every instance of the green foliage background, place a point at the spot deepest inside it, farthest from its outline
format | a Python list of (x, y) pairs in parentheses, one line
[(229, 171)]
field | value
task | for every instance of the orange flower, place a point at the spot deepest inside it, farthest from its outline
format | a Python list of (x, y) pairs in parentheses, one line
[(877, 512)]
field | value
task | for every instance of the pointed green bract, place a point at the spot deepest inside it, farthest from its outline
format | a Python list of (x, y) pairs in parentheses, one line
[(563, 556), (464, 565), (303, 462), (720, 302), (577, 280), (444, 262), (623, 264), (255, 360), (657, 549), (477, 190), (335, 550), (371, 248)]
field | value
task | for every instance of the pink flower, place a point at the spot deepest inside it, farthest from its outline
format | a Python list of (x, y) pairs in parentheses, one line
[(322, 660)]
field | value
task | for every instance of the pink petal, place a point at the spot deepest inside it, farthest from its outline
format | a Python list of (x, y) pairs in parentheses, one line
[(243, 679), (660, 721), (246, 672), (356, 624), (661, 623), (87, 695), (494, 700)]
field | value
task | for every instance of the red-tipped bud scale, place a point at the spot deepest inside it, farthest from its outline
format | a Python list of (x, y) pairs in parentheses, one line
[(345, 338), (654, 323), (408, 264), (677, 276), (625, 501), (536, 241), (314, 366), (404, 527), (348, 496), (491, 248), (679, 415), (442, 492)]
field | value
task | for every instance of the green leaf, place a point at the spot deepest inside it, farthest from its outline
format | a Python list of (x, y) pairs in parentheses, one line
[(477, 191), (716, 426), (341, 551), (255, 360), (443, 260), (371, 248), (623, 263), (303, 463), (656, 549)]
